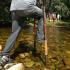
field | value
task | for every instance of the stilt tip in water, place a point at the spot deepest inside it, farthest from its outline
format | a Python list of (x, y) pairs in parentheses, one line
[(0, 48)]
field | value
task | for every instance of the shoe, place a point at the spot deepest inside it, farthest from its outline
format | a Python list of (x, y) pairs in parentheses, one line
[(3, 61)]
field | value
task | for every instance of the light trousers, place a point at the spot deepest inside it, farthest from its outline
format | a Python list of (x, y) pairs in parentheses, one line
[(17, 25)]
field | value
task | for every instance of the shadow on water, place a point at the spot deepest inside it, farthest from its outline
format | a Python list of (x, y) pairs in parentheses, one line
[(22, 48)]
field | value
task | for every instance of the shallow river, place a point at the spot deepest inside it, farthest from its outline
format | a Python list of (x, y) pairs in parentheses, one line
[(58, 43)]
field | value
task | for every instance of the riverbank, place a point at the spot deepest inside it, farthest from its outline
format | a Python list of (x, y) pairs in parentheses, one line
[(56, 23)]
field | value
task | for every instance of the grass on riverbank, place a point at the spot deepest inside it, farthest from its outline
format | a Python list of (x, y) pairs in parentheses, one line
[(56, 22)]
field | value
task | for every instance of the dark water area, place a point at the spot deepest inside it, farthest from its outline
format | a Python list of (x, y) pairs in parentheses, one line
[(58, 44)]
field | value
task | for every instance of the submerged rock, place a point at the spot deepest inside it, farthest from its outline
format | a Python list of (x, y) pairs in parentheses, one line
[(28, 62), (24, 55), (18, 66), (7, 66)]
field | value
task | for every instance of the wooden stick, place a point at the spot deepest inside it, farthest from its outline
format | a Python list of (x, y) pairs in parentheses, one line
[(34, 51), (34, 33), (45, 34)]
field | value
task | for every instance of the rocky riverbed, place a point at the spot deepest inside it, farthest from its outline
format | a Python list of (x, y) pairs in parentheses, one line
[(58, 49)]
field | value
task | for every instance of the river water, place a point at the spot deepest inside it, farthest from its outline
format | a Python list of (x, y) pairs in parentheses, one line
[(58, 44)]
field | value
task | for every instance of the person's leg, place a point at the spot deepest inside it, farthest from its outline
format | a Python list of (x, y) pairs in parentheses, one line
[(40, 33), (11, 40), (4, 56), (39, 15), (34, 11), (15, 18), (16, 27)]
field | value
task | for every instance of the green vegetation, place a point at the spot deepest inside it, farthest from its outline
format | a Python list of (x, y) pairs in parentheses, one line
[(58, 6), (58, 22), (4, 11)]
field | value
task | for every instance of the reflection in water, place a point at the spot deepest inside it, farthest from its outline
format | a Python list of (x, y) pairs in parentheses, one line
[(59, 37), (59, 45)]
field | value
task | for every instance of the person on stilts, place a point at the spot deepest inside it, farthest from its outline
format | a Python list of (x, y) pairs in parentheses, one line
[(20, 10)]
